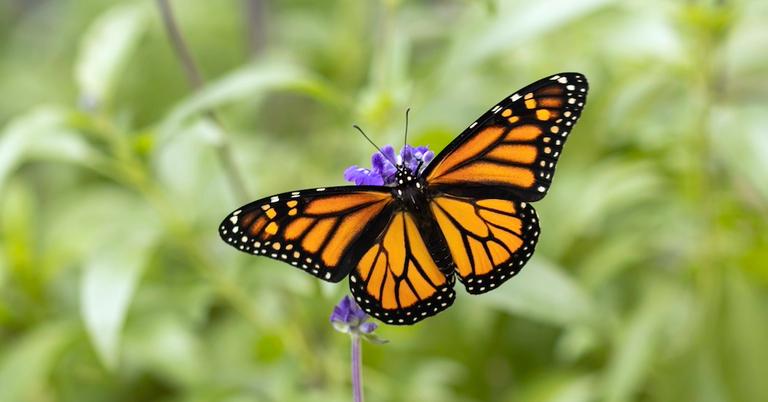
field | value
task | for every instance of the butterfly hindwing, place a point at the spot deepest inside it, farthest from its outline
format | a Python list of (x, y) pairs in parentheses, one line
[(316, 230), (489, 239), (397, 280), (514, 147)]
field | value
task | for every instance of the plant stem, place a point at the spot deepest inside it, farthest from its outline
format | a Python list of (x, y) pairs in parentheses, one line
[(357, 372), (255, 11), (196, 81)]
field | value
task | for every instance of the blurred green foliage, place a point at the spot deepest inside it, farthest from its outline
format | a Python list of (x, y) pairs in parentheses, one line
[(649, 283)]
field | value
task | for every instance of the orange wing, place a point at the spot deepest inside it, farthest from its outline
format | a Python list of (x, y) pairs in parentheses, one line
[(513, 148), (489, 239), (396, 280), (315, 230)]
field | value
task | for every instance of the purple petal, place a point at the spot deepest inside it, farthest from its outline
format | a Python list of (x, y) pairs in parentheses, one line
[(347, 303), (372, 180), (389, 152), (361, 176), (378, 161), (341, 311), (428, 156), (406, 153), (358, 314), (382, 164), (348, 312), (424, 154), (368, 327), (337, 315), (414, 156), (351, 173)]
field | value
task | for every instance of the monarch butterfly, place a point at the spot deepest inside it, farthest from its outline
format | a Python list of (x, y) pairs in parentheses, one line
[(465, 215)]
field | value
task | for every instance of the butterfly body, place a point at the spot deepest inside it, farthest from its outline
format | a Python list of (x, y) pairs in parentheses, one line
[(410, 191), (467, 214)]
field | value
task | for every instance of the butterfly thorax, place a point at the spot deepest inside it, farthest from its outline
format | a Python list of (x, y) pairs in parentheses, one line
[(409, 191)]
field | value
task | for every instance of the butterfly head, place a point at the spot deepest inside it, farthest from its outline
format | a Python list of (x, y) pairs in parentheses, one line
[(404, 175)]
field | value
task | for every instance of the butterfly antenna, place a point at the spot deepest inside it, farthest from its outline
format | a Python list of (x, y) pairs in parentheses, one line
[(394, 163), (405, 141), (408, 111)]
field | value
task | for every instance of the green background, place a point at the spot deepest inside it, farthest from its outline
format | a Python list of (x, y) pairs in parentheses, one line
[(648, 284)]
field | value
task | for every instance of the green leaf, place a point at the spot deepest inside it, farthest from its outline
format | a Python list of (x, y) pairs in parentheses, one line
[(19, 230), (3, 271), (105, 48), (78, 224), (110, 278), (254, 80), (186, 167), (743, 151), (542, 291), (585, 198), (560, 388), (745, 334), (637, 345), (373, 338), (27, 362), (41, 134), (580, 389), (513, 26), (166, 345)]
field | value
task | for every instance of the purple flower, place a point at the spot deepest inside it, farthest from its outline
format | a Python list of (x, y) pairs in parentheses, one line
[(362, 176), (349, 318), (382, 170)]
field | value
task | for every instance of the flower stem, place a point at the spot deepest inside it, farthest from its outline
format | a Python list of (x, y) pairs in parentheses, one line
[(357, 372), (196, 81)]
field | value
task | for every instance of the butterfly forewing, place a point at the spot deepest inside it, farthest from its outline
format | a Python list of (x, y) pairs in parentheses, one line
[(514, 147), (315, 230)]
